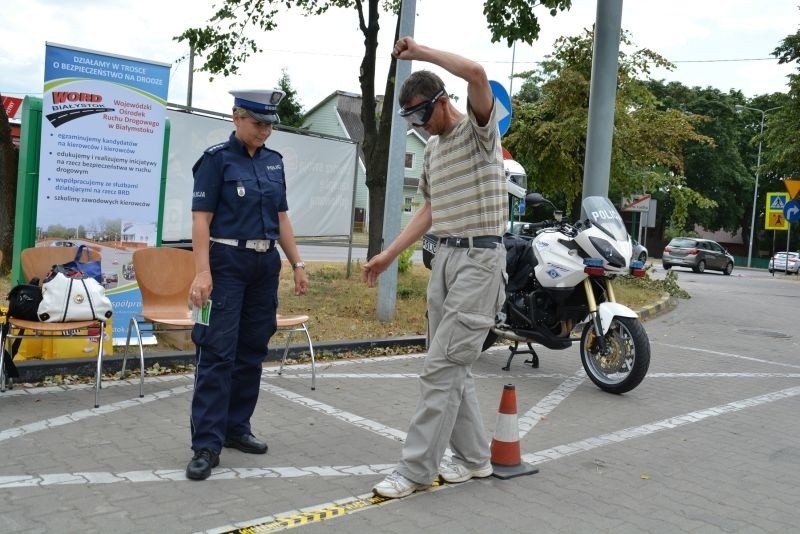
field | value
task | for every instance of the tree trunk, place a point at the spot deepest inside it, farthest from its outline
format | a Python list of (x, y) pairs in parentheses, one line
[(377, 134), (8, 191)]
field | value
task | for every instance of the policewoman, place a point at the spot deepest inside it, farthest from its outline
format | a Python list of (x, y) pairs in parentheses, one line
[(239, 214)]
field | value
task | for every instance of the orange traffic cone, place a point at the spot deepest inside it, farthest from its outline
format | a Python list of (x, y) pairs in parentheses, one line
[(506, 458)]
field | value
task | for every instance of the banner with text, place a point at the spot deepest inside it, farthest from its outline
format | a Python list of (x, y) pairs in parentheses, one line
[(100, 166)]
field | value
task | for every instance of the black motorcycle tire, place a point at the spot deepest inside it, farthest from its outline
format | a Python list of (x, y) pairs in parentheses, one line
[(626, 331)]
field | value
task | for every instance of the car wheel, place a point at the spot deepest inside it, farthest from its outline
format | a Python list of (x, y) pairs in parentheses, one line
[(728, 268), (771, 271), (643, 257), (701, 266), (666, 266)]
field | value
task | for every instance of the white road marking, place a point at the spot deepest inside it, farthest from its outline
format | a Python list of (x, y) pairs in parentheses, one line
[(562, 451), (728, 354), (543, 408), (347, 417), (537, 458), (80, 415)]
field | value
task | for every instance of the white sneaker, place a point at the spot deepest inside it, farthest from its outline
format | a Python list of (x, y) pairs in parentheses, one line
[(396, 485), (454, 472)]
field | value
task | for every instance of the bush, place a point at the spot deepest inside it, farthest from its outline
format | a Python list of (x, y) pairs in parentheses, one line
[(404, 260)]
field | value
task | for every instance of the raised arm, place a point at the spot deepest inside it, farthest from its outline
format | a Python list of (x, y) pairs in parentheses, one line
[(479, 92)]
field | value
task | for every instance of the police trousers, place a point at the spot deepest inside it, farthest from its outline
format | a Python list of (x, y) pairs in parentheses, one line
[(465, 292), (231, 349)]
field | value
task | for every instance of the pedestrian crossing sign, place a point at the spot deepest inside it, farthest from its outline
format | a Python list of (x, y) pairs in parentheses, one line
[(774, 219)]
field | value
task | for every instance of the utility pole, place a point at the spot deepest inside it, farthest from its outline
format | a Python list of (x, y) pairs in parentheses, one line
[(395, 176)]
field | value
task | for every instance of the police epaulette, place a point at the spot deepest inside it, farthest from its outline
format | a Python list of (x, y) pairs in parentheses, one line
[(216, 148)]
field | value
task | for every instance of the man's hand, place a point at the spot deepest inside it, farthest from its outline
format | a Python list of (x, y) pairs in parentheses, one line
[(374, 267), (406, 48)]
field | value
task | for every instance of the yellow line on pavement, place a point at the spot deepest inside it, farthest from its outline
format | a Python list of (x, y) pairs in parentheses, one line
[(313, 516)]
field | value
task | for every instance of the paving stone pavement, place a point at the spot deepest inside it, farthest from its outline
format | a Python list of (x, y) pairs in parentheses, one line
[(707, 443)]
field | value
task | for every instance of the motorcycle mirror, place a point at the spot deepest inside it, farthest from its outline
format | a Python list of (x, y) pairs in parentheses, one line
[(535, 199), (558, 215)]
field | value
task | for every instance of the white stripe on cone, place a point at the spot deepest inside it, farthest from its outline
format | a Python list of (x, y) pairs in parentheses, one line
[(506, 428)]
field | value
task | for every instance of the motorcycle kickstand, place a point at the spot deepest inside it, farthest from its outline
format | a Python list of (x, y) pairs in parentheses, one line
[(534, 361)]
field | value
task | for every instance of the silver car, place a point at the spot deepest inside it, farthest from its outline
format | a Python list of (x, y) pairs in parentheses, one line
[(639, 251), (697, 254)]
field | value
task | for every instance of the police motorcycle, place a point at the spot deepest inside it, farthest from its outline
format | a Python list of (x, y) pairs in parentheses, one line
[(560, 291)]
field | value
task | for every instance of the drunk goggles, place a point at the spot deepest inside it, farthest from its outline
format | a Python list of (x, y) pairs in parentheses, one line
[(420, 114)]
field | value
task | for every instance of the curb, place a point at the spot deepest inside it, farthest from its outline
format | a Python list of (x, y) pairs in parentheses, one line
[(33, 370), (663, 305)]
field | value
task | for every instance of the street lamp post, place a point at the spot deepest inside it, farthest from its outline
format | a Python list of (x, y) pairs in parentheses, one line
[(763, 112)]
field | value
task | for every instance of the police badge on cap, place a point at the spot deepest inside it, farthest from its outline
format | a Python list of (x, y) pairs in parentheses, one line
[(261, 104)]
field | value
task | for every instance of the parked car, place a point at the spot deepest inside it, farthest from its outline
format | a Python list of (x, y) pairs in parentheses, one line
[(62, 244), (697, 254), (778, 262), (639, 251)]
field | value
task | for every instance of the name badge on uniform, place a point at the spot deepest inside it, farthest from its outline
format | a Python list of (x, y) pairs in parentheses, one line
[(239, 188)]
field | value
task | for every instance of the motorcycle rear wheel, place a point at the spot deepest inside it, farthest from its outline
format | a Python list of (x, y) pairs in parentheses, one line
[(625, 363)]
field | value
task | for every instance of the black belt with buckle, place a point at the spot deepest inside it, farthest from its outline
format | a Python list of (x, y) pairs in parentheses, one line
[(481, 241)]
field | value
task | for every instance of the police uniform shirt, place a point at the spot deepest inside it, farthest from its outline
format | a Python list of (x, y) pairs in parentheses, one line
[(245, 194)]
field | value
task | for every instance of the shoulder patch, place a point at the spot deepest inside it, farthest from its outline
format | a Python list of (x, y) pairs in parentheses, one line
[(216, 148)]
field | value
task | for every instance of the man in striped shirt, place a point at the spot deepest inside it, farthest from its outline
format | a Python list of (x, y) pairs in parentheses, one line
[(466, 205)]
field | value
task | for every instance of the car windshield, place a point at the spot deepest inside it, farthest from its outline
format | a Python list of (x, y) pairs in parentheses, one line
[(605, 216)]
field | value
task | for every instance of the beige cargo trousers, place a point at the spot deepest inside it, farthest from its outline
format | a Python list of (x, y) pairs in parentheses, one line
[(465, 292)]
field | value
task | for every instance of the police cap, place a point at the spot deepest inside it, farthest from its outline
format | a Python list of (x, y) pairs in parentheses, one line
[(261, 104)]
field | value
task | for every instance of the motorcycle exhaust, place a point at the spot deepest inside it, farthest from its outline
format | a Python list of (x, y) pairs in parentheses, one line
[(510, 334)]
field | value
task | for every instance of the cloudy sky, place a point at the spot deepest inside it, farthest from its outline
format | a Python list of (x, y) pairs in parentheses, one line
[(725, 44)]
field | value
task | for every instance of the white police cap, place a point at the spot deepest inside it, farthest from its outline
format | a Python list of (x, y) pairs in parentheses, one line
[(261, 104)]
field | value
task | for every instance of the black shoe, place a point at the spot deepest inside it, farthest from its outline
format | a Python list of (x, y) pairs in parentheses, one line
[(246, 443), (202, 462)]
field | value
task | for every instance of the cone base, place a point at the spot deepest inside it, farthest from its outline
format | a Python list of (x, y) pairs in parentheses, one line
[(504, 472)]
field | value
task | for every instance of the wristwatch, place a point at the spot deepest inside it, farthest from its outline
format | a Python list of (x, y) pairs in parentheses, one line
[(299, 265)]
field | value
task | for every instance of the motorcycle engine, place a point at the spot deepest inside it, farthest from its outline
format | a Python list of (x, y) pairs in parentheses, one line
[(531, 308), (544, 309)]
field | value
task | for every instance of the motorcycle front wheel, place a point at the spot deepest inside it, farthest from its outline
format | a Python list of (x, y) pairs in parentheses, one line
[(623, 364)]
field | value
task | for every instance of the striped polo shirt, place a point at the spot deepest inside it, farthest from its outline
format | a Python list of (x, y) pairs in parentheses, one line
[(464, 180)]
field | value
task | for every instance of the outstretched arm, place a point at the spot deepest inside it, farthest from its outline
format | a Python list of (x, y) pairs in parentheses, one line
[(419, 224), (479, 92)]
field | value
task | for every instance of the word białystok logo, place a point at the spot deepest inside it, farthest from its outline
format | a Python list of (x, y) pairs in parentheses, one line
[(70, 105)]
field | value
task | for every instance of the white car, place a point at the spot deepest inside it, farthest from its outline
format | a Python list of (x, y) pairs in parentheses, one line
[(778, 263)]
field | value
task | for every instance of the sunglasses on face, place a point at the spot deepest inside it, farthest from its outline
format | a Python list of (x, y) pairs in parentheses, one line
[(420, 114)]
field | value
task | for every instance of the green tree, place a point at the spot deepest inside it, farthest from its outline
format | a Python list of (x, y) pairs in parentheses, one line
[(289, 110), (782, 136), (225, 44), (714, 170), (548, 136)]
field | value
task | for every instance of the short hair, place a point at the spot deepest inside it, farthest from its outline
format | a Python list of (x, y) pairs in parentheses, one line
[(244, 113), (422, 83)]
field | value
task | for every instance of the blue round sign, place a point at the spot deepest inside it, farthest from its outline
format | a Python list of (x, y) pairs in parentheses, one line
[(504, 101), (791, 211)]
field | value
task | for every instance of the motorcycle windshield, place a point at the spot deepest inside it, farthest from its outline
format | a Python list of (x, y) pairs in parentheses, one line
[(605, 216)]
